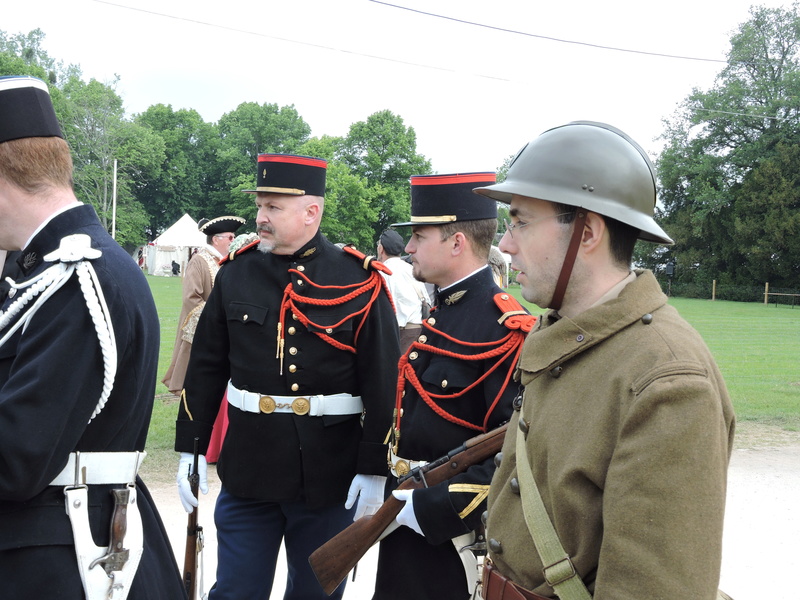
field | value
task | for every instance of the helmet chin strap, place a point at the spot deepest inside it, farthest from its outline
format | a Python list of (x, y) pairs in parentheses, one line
[(569, 260)]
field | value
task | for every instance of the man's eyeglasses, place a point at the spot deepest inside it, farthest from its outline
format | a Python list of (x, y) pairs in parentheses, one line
[(227, 236), (510, 227)]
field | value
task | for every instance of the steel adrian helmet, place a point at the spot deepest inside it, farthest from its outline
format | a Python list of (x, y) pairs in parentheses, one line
[(590, 165)]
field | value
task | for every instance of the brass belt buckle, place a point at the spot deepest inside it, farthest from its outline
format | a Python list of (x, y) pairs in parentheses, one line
[(266, 404), (301, 406), (402, 468)]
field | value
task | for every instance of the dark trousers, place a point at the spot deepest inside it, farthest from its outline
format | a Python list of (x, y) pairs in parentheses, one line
[(249, 536), (409, 568)]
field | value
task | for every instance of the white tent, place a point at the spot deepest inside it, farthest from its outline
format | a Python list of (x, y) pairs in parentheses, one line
[(176, 244)]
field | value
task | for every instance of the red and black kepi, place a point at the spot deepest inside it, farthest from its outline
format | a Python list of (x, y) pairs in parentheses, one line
[(440, 199), (25, 109), (290, 174)]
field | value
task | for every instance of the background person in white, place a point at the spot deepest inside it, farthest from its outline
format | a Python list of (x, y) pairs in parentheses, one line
[(407, 292)]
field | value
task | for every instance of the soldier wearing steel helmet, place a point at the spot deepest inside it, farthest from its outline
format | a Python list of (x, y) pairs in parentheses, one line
[(625, 427)]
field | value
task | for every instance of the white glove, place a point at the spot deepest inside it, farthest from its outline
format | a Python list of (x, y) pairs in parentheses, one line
[(369, 491), (407, 516), (184, 470)]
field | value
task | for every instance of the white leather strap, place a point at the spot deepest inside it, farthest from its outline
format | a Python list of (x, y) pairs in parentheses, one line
[(400, 467), (98, 468), (313, 406), (97, 584)]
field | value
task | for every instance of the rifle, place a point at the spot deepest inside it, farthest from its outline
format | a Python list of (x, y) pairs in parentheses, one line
[(194, 533), (332, 561)]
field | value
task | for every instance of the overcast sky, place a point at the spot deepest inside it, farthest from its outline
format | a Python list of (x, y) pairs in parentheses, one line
[(474, 94)]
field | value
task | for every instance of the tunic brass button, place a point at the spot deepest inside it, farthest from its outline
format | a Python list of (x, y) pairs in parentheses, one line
[(301, 268), (292, 350), (329, 331), (292, 368), (504, 297), (524, 426), (244, 318), (517, 402), (291, 331), (579, 337), (484, 517), (498, 458), (295, 317), (514, 485), (556, 371), (295, 387), (444, 383), (422, 339), (431, 321), (300, 282), (413, 356), (495, 546), (647, 319)]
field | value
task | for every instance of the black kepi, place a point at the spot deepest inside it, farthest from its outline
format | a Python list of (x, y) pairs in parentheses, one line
[(440, 199), (25, 109), (290, 174)]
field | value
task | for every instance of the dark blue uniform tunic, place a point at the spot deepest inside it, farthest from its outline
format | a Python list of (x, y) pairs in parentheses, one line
[(284, 458), (409, 565), (51, 377)]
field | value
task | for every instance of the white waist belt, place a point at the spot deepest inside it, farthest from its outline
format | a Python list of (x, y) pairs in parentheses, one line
[(400, 467), (313, 406), (100, 468)]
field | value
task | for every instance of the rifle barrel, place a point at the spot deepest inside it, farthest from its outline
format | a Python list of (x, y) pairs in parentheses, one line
[(332, 561)]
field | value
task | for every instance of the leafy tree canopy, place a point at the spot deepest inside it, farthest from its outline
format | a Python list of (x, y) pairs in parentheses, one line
[(727, 172)]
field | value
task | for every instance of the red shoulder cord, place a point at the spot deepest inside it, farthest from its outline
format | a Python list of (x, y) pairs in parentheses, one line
[(516, 320), (292, 301)]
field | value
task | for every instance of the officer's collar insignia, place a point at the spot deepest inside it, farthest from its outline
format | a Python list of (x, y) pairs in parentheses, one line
[(455, 297), (29, 260), (308, 252)]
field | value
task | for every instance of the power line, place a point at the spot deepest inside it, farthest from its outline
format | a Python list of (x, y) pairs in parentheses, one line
[(545, 37), (291, 41), (738, 114)]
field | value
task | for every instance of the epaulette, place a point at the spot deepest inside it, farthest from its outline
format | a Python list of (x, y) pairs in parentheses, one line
[(234, 254), (367, 262), (514, 316)]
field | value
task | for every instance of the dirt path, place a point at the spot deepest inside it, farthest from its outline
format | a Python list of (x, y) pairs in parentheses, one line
[(762, 521)]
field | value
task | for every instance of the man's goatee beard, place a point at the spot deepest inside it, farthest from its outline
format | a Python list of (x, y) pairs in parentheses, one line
[(266, 247)]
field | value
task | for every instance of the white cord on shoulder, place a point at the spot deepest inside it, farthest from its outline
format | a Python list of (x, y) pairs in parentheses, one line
[(73, 255)]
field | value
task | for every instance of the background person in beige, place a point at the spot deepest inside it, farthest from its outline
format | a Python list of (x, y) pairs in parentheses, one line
[(626, 425), (198, 281)]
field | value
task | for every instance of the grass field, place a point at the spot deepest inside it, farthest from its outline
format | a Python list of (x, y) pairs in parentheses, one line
[(757, 348)]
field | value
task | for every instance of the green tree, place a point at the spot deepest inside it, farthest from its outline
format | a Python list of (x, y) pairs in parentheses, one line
[(184, 181), (92, 119), (726, 152), (349, 214), (246, 132), (28, 49), (768, 224), (383, 152)]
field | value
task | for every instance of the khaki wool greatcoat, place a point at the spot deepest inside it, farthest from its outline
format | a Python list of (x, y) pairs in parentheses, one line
[(630, 434)]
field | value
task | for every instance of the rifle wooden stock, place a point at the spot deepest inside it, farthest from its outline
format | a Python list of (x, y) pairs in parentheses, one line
[(332, 561), (192, 531)]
